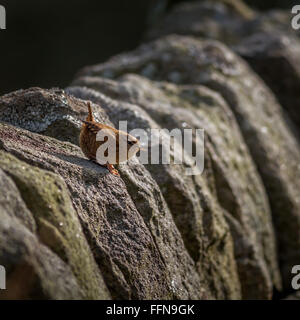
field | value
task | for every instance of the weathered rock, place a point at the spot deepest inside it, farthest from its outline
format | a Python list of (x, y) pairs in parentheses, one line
[(275, 57), (228, 21), (196, 213), (198, 107), (34, 271), (48, 206), (49, 112), (274, 149), (273, 21), (266, 40), (138, 258), (71, 230)]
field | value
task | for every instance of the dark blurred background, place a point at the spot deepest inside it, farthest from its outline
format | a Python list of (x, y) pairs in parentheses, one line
[(47, 42)]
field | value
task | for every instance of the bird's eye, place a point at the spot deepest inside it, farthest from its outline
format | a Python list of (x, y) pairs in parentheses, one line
[(131, 143)]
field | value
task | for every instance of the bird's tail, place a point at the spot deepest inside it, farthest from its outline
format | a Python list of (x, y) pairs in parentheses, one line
[(90, 115)]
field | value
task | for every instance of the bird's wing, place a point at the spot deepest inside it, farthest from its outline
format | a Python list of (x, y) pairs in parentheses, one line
[(95, 127)]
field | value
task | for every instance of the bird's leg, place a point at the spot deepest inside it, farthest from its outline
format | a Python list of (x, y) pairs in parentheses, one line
[(108, 166), (112, 169)]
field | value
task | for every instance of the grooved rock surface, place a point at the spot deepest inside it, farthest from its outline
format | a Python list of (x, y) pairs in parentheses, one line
[(266, 40), (228, 21), (175, 106), (71, 230), (193, 259), (43, 247), (207, 19), (276, 58), (133, 262), (273, 147), (44, 111)]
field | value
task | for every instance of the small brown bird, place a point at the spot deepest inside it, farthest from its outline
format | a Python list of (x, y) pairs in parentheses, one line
[(89, 144)]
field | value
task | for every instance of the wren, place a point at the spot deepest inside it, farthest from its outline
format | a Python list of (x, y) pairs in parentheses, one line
[(89, 144)]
